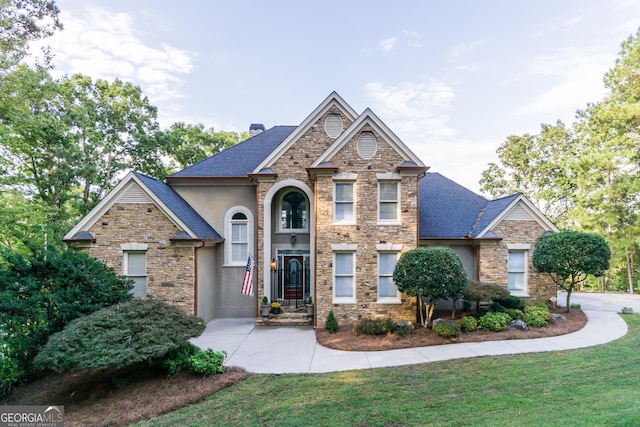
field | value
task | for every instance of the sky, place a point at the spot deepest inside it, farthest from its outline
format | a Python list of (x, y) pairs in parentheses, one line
[(452, 79)]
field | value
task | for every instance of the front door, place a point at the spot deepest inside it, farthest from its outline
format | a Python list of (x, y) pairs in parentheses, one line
[(293, 277)]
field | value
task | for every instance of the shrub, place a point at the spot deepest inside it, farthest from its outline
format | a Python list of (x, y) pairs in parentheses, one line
[(498, 308), (510, 301), (484, 292), (514, 313), (332, 323), (496, 322), (575, 305), (469, 323), (45, 290), (207, 362), (447, 328), (536, 315), (430, 274), (404, 329), (118, 336), (177, 360), (379, 326)]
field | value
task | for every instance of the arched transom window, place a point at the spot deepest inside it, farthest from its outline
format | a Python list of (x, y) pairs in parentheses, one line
[(294, 211)]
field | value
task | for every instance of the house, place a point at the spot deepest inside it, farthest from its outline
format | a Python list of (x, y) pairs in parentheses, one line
[(325, 209)]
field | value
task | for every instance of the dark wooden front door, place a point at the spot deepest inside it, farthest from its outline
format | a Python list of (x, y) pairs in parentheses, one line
[(293, 277)]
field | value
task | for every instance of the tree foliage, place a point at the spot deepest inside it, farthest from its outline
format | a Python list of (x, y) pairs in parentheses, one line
[(570, 256), (432, 273), (122, 335), (484, 292), (45, 290)]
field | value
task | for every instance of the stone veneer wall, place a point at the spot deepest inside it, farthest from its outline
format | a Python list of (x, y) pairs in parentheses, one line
[(366, 233), (494, 258), (170, 268)]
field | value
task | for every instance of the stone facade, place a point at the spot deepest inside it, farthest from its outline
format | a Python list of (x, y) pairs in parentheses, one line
[(494, 258), (170, 267)]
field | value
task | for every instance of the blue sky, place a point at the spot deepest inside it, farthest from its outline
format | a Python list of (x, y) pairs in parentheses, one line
[(452, 79)]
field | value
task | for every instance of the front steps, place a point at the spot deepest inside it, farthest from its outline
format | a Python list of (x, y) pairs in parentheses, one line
[(288, 317)]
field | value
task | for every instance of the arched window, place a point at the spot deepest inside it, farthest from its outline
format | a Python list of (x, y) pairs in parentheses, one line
[(238, 235), (293, 211)]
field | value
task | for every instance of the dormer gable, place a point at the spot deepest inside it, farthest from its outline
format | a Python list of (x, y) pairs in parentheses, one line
[(332, 127)]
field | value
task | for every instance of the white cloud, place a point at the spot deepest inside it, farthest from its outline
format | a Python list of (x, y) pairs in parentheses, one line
[(577, 72), (461, 48), (387, 45), (106, 45)]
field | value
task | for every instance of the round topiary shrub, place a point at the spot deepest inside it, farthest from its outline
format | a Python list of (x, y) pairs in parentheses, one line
[(447, 328), (496, 322), (469, 323)]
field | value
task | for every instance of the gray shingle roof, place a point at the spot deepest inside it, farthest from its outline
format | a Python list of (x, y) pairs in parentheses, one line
[(179, 207), (451, 211), (240, 159)]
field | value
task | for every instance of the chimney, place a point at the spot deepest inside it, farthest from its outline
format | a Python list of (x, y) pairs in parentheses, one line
[(255, 129)]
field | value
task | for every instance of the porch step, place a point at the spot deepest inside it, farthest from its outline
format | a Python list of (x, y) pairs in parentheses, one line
[(288, 317)]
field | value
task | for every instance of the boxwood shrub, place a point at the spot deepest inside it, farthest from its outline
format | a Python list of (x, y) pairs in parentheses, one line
[(496, 322), (469, 323), (447, 328)]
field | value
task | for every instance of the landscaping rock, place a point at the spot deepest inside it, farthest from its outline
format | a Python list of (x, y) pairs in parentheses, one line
[(518, 325), (555, 317), (435, 322), (402, 323)]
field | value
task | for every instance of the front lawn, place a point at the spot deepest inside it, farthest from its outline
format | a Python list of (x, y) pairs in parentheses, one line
[(587, 387)]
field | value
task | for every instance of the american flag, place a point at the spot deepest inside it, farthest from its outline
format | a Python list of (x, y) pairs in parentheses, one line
[(247, 282)]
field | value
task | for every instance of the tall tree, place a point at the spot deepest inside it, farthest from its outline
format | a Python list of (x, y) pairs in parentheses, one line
[(22, 21), (186, 144)]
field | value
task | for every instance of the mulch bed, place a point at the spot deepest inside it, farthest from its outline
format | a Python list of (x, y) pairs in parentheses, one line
[(346, 338)]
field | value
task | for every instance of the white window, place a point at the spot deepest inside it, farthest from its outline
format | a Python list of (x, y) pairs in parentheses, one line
[(344, 278), (135, 268), (238, 236), (517, 272), (388, 202), (387, 289), (344, 203)]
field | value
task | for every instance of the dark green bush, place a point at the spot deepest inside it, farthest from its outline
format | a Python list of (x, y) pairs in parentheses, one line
[(118, 336), (514, 313), (332, 323), (42, 292), (536, 315), (404, 329), (469, 323), (447, 328), (177, 360), (498, 308), (484, 292), (379, 326), (510, 302), (207, 362), (496, 322)]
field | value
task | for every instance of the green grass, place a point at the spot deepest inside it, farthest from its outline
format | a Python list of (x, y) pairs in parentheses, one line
[(595, 386)]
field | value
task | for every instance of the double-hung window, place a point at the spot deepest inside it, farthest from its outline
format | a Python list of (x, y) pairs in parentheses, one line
[(387, 289), (388, 202), (344, 203), (344, 273), (239, 238), (135, 268), (517, 281)]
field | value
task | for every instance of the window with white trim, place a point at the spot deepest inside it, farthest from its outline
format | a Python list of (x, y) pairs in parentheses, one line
[(517, 282), (344, 277), (388, 202), (387, 289), (135, 268), (238, 233), (344, 203)]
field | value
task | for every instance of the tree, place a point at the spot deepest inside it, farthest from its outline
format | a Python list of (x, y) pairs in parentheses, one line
[(22, 21), (122, 335), (570, 256), (187, 144), (482, 291), (434, 273)]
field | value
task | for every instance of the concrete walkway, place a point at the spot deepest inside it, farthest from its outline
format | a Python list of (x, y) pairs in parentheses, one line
[(279, 350)]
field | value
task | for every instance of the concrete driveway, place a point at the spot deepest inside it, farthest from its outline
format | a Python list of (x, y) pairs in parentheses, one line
[(598, 301)]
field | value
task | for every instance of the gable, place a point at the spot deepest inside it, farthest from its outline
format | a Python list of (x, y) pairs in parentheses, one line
[(366, 147), (316, 122), (519, 209), (136, 188)]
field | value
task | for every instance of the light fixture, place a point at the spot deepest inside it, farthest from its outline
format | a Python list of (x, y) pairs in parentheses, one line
[(273, 265), (293, 238)]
